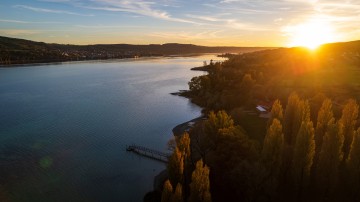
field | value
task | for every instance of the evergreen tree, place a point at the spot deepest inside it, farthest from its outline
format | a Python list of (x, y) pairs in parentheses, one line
[(177, 196), (353, 166), (276, 112), (200, 184), (324, 120), (304, 152), (330, 157), (167, 192), (289, 116), (348, 119), (176, 167)]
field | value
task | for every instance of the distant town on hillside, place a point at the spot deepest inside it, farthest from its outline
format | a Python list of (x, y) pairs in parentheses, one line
[(20, 51)]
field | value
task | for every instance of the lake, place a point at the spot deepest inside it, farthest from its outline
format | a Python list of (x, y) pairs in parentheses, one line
[(64, 127)]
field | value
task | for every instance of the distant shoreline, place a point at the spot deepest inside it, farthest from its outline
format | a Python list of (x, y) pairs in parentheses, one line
[(101, 60)]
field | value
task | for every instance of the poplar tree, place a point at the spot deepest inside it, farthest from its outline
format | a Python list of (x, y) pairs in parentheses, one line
[(272, 156), (289, 116), (273, 148), (183, 144), (325, 118), (304, 152), (167, 192), (177, 196), (330, 157), (302, 113), (200, 184), (353, 165), (276, 112), (348, 119), (176, 167)]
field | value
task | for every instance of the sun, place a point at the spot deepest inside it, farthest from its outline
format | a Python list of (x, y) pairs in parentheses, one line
[(311, 34)]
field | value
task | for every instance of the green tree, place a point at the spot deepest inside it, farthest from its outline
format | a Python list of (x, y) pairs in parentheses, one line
[(276, 112), (291, 106), (330, 157), (200, 184), (353, 165), (177, 196), (167, 192), (199, 83), (304, 151), (324, 120), (348, 119), (176, 167)]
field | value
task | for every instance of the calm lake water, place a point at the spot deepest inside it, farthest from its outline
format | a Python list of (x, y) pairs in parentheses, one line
[(64, 127)]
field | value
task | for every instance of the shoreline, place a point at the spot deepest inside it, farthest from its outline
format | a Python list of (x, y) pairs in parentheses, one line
[(180, 129), (54, 62), (177, 131)]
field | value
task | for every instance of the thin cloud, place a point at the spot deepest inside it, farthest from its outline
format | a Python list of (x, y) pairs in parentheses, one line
[(18, 32), (28, 22), (187, 35), (229, 23), (205, 18), (45, 10), (144, 8)]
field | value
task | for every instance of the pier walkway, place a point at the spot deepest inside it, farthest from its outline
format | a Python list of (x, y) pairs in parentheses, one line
[(150, 153)]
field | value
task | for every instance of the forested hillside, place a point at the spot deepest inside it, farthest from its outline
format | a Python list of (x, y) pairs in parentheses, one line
[(302, 144), (19, 51)]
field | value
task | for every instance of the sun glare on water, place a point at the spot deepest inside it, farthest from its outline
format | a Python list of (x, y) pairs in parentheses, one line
[(311, 34)]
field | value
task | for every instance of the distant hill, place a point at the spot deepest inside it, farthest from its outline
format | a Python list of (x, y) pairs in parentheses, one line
[(20, 51)]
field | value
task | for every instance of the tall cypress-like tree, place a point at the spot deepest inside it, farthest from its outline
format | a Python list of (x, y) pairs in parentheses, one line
[(324, 120), (302, 113), (276, 112), (330, 157), (348, 119), (176, 167), (183, 144), (353, 166), (273, 148), (289, 116), (200, 184), (272, 156), (304, 152), (177, 196), (167, 192)]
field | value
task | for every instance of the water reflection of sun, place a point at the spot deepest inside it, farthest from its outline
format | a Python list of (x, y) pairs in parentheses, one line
[(311, 34)]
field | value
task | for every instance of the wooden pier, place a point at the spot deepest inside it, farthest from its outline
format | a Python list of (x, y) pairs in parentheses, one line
[(150, 153)]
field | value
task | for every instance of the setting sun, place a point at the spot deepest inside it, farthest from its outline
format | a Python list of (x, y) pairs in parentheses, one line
[(311, 34)]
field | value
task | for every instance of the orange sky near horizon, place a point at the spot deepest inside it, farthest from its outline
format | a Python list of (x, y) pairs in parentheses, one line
[(211, 23)]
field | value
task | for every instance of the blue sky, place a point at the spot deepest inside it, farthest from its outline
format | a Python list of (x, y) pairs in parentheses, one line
[(212, 22)]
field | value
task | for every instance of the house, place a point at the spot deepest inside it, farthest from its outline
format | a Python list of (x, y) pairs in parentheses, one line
[(263, 111)]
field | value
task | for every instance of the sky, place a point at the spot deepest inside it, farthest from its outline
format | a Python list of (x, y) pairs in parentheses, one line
[(211, 22)]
